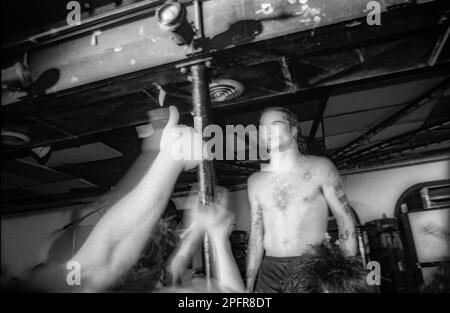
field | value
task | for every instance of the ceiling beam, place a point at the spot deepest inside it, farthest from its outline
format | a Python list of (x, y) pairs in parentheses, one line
[(440, 43), (238, 165), (398, 157), (414, 105), (389, 142), (318, 119), (289, 81), (54, 127), (405, 148), (406, 160)]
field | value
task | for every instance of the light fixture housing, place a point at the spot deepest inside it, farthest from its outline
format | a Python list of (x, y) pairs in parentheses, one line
[(16, 77), (12, 138), (222, 90), (172, 18)]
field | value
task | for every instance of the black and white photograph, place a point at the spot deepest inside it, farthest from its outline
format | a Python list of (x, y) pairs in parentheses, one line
[(240, 148)]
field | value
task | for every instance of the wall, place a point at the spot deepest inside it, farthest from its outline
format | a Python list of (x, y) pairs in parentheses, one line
[(25, 237), (375, 193)]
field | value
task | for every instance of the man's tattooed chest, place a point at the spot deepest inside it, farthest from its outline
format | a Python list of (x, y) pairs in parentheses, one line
[(282, 195), (289, 190)]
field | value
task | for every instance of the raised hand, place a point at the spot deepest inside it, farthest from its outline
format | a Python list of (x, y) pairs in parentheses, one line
[(180, 142), (214, 217)]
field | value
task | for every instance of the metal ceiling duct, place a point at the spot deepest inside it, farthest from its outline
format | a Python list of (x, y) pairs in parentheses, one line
[(11, 138), (225, 89)]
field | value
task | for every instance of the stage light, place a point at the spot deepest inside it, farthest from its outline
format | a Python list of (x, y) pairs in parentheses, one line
[(16, 77), (169, 13), (172, 18)]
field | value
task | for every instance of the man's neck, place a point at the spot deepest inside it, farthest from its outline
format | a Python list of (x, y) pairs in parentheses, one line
[(286, 159)]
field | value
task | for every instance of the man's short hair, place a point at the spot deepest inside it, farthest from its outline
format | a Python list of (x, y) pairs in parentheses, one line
[(327, 269), (293, 121)]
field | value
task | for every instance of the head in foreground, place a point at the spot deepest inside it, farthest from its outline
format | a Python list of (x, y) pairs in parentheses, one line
[(327, 270)]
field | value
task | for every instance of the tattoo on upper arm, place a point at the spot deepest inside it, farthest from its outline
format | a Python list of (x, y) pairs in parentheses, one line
[(336, 181), (345, 205), (338, 187)]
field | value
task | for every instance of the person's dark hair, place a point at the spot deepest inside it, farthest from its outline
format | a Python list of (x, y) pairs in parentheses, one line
[(327, 269), (293, 121)]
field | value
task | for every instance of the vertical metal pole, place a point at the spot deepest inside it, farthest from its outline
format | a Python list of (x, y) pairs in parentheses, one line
[(205, 172), (199, 18)]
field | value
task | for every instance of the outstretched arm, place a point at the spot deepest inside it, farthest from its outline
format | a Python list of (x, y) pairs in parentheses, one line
[(333, 190), (190, 241), (255, 244), (118, 239), (227, 271), (216, 220)]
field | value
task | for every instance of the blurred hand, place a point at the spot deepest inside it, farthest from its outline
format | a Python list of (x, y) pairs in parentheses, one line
[(214, 217), (180, 141)]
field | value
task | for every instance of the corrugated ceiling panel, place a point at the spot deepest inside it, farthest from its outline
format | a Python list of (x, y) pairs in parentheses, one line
[(306, 127), (356, 122), (420, 114), (86, 153), (60, 187), (395, 130), (14, 181), (379, 97), (337, 141), (33, 171)]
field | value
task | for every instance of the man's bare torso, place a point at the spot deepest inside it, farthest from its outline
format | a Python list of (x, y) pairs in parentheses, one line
[(294, 211)]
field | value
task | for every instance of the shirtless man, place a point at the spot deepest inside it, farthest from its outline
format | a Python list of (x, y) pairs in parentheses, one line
[(289, 204)]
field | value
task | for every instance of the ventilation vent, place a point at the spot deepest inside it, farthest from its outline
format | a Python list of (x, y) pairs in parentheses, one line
[(225, 89), (10, 138)]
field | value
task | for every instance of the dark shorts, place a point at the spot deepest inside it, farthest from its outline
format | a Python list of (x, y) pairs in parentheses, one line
[(272, 274)]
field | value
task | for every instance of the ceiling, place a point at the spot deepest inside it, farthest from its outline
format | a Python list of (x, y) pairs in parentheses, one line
[(364, 96)]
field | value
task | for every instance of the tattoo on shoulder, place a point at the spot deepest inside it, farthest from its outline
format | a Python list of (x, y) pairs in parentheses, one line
[(334, 179), (339, 191)]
